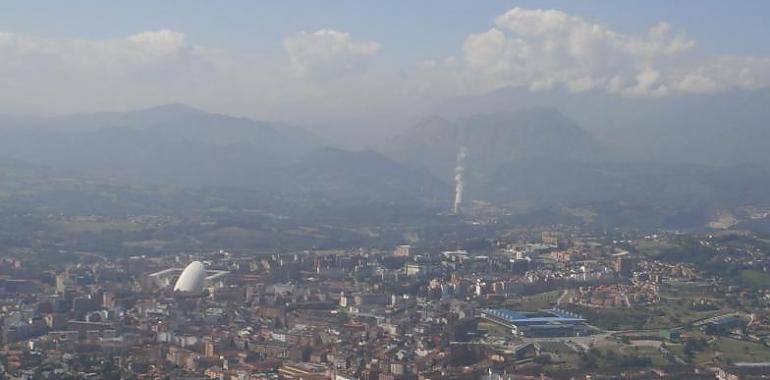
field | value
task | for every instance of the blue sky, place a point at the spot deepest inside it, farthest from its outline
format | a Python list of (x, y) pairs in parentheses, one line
[(408, 30), (358, 58)]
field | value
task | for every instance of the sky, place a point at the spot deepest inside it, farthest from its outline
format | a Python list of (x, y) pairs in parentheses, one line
[(314, 61)]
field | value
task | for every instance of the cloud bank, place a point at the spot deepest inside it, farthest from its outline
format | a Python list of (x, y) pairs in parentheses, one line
[(547, 49), (327, 51), (329, 73)]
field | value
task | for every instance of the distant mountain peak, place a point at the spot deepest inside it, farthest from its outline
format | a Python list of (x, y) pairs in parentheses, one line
[(171, 108), (518, 116), (541, 133)]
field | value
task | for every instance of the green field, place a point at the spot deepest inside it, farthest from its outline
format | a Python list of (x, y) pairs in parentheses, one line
[(755, 278), (534, 302), (668, 313), (607, 355), (725, 349), (494, 329)]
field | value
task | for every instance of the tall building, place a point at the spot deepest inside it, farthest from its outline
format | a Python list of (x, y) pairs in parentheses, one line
[(208, 348), (622, 264), (403, 251), (551, 237), (62, 280)]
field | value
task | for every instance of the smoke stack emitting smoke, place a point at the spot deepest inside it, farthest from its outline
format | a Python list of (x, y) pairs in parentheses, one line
[(459, 184)]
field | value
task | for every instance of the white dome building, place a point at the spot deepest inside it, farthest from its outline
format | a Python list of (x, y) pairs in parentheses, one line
[(192, 279)]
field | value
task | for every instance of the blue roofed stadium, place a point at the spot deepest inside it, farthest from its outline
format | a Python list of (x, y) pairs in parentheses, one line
[(543, 323)]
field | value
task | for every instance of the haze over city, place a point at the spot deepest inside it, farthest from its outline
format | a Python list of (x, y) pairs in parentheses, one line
[(295, 62), (392, 190)]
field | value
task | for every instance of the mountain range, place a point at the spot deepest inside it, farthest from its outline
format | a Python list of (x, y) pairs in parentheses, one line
[(722, 129), (685, 157), (175, 145), (542, 157)]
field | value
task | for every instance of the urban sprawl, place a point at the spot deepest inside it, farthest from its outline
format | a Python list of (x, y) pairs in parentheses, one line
[(541, 303)]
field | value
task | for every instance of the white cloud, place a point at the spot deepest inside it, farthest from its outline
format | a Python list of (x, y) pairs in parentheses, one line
[(154, 67), (78, 75), (322, 73), (327, 51), (724, 72), (162, 40), (325, 73), (545, 49)]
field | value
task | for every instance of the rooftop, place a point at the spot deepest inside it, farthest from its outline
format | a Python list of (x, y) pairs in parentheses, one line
[(543, 316)]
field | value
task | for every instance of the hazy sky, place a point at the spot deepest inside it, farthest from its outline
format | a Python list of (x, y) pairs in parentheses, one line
[(326, 61)]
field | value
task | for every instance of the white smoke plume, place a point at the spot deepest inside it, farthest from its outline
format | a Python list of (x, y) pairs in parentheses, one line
[(459, 178)]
